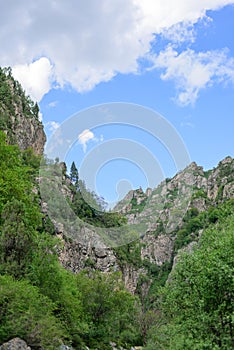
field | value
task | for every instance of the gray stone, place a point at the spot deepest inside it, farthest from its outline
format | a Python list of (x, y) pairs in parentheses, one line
[(15, 344)]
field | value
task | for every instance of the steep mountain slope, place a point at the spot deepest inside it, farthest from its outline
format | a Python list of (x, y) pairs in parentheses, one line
[(184, 221), (170, 218), (40, 301), (194, 309), (164, 209), (19, 115)]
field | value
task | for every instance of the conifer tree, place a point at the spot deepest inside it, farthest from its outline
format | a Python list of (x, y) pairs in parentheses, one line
[(74, 175)]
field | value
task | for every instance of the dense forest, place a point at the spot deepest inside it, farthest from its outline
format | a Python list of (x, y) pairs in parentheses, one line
[(188, 305)]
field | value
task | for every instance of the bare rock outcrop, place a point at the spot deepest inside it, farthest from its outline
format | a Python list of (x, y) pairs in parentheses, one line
[(27, 132), (20, 115), (15, 344), (159, 213)]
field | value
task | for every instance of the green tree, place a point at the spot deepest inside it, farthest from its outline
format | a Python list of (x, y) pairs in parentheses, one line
[(74, 175), (15, 181), (197, 300), (112, 313), (25, 313), (18, 237)]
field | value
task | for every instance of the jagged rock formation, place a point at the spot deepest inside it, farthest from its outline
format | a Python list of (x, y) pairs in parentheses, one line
[(19, 115), (27, 132), (163, 211), (160, 211), (76, 256)]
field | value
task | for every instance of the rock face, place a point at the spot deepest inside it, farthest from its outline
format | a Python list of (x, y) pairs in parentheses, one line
[(75, 256), (160, 211), (15, 344), (159, 214), (27, 132), (19, 115), (131, 275), (157, 250)]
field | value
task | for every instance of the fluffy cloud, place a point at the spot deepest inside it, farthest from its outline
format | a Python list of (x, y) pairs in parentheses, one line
[(162, 14), (193, 71), (34, 77), (52, 126), (179, 33), (88, 42), (86, 136)]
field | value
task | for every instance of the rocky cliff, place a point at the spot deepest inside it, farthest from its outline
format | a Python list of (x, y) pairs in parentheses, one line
[(163, 214), (19, 115), (168, 216)]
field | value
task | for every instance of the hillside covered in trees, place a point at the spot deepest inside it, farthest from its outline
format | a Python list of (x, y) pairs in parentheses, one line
[(185, 302)]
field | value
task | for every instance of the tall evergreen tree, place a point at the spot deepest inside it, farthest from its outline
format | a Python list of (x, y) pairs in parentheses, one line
[(74, 175)]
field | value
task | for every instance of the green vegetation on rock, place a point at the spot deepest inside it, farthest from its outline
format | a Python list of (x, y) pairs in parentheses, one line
[(39, 300), (184, 301), (196, 304)]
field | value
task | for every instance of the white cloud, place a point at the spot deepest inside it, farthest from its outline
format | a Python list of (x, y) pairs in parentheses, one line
[(161, 14), (88, 42), (52, 126), (53, 104), (86, 136), (180, 32), (34, 77), (193, 71)]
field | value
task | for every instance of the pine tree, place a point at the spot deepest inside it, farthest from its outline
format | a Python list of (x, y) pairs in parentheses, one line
[(74, 175)]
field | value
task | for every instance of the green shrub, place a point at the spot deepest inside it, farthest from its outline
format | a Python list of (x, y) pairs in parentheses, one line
[(25, 313)]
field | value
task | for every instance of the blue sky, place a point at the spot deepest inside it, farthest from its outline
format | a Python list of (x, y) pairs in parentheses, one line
[(174, 58)]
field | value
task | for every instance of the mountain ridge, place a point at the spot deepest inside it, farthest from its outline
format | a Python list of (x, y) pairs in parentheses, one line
[(60, 284), (159, 217)]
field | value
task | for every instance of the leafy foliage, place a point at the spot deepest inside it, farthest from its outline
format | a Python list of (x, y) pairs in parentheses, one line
[(135, 206), (39, 300), (196, 303), (28, 314), (194, 221), (129, 254), (112, 312)]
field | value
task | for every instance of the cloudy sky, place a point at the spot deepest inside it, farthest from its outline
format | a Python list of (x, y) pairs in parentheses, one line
[(175, 57)]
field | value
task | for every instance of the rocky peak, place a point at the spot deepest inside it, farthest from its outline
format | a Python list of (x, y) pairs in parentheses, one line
[(19, 115), (226, 160)]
